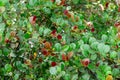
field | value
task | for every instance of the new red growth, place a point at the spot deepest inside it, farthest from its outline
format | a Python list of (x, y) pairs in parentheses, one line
[(53, 64)]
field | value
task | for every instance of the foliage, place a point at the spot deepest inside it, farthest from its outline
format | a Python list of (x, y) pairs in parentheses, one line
[(59, 40)]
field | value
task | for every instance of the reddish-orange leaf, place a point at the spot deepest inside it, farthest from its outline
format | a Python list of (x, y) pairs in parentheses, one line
[(47, 45), (70, 54), (64, 57)]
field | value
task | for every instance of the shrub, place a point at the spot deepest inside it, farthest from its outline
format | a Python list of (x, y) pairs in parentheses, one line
[(59, 40)]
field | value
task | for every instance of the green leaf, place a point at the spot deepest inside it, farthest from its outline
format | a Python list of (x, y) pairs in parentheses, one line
[(35, 36), (107, 68), (100, 75), (108, 72), (8, 67), (3, 2), (16, 76), (112, 41), (101, 47), (53, 70), (6, 51), (85, 47), (18, 64), (57, 46), (59, 29), (41, 29), (46, 31), (86, 76), (93, 57), (104, 38), (113, 54), (32, 2), (2, 28), (27, 35), (67, 77), (94, 45), (0, 52), (58, 68), (29, 27), (91, 51), (79, 43), (85, 53), (62, 66), (72, 46), (2, 9), (115, 72), (118, 43), (75, 77), (92, 66), (63, 73), (85, 38), (48, 4), (40, 78), (61, 22), (76, 1), (46, 10), (106, 48), (92, 39), (65, 48)]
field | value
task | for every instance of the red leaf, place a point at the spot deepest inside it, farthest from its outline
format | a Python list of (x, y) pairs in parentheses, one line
[(53, 64), (85, 62), (47, 45), (107, 4), (7, 40), (93, 29), (70, 54), (64, 57), (34, 18), (66, 12), (59, 37), (40, 60), (117, 24), (44, 52)]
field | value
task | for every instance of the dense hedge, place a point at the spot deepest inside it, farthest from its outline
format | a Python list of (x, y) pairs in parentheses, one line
[(59, 40)]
